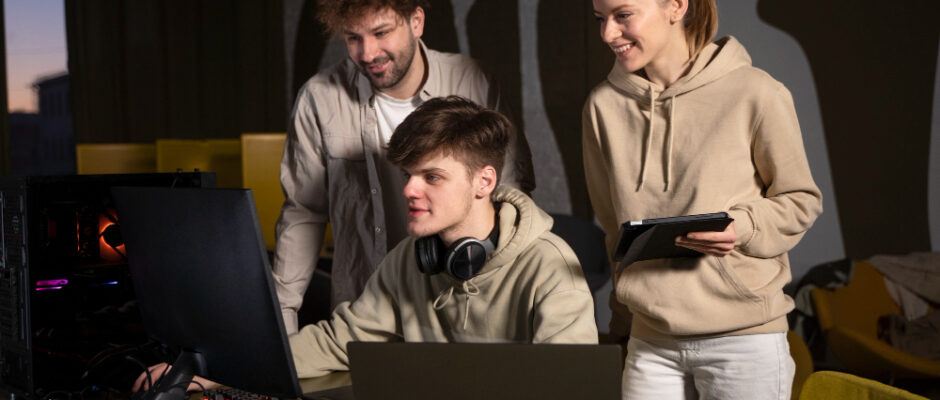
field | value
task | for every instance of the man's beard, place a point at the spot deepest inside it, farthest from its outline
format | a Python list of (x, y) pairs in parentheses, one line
[(401, 63)]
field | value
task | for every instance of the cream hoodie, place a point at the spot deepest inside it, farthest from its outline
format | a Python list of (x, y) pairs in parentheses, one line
[(725, 137), (531, 290)]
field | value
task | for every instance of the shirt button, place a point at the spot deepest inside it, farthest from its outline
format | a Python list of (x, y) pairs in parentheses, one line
[(374, 191), (378, 230)]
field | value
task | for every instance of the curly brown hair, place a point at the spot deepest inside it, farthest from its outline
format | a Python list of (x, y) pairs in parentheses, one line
[(337, 14), (452, 126)]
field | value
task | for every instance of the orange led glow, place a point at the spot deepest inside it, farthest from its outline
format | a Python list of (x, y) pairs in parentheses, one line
[(106, 252)]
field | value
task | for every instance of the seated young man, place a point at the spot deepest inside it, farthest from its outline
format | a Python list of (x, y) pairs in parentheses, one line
[(530, 288), (480, 264)]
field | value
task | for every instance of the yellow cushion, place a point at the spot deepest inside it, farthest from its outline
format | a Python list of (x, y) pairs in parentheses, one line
[(261, 155), (831, 385), (115, 158), (222, 156), (261, 160)]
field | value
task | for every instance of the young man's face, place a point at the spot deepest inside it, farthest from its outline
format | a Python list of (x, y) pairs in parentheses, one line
[(439, 192), (383, 45)]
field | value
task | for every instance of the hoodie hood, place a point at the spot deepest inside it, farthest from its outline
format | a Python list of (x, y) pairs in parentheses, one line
[(520, 223), (714, 62)]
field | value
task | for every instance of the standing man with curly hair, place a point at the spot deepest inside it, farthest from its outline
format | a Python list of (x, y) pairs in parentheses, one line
[(334, 167)]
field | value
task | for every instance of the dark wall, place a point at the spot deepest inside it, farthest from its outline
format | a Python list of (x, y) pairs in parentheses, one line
[(572, 60), (201, 69), (874, 64), (309, 44), (148, 69)]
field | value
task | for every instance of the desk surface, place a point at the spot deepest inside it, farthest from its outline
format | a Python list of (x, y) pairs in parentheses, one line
[(331, 381)]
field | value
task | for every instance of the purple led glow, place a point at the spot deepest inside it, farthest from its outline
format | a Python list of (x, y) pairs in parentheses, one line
[(53, 282), (39, 289)]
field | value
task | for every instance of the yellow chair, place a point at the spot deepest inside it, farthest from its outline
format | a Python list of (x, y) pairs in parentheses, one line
[(803, 360), (848, 317), (115, 158), (261, 161), (222, 156), (830, 385), (261, 164)]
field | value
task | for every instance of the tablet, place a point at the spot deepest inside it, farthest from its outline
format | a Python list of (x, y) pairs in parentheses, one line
[(656, 238)]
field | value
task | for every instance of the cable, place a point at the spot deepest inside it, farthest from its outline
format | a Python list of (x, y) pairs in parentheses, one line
[(116, 351), (176, 177), (198, 383), (163, 374), (146, 370)]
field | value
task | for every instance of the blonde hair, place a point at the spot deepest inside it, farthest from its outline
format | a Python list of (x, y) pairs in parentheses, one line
[(701, 25)]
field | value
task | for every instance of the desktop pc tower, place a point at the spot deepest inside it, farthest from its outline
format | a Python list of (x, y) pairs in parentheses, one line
[(68, 314)]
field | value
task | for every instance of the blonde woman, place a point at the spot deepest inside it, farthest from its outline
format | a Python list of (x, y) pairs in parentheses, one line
[(686, 126)]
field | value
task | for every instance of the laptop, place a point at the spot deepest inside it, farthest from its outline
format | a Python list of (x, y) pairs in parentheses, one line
[(484, 371)]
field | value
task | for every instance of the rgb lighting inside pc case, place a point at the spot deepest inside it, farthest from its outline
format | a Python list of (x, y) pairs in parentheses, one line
[(68, 314)]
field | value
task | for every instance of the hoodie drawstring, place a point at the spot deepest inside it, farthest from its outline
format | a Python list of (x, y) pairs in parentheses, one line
[(649, 140), (438, 304), (672, 114), (469, 289)]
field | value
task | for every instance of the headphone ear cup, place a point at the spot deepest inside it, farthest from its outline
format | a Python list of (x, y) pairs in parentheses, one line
[(466, 257), (427, 254)]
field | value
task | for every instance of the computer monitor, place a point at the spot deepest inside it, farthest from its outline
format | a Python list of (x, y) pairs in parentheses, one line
[(202, 278)]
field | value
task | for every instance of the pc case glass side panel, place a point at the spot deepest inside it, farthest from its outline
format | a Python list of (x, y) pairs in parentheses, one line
[(15, 339)]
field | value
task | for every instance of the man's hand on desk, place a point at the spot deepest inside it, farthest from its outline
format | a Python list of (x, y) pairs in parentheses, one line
[(158, 370)]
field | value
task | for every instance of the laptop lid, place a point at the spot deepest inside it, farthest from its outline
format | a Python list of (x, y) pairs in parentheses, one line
[(484, 371)]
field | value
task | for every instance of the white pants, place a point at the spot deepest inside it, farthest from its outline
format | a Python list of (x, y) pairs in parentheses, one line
[(730, 367)]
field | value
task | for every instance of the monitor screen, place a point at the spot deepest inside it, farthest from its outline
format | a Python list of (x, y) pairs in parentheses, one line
[(202, 278)]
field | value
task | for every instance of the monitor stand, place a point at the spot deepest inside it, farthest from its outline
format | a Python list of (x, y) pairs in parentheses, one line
[(173, 385)]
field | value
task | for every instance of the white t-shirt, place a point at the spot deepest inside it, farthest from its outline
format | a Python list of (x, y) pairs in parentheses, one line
[(390, 112)]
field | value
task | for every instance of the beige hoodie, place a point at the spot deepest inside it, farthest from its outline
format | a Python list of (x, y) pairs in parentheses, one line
[(531, 290), (725, 137)]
